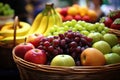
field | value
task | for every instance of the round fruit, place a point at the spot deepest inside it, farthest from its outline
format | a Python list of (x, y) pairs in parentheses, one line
[(96, 36), (111, 39), (116, 49), (62, 60), (103, 46), (72, 11), (92, 57), (36, 56), (112, 58)]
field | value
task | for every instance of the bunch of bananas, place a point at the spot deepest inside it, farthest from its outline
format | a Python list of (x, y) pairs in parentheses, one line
[(45, 20), (7, 32), (41, 25)]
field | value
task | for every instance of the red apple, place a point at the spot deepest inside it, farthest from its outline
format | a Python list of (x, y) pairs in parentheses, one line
[(22, 48), (68, 18), (77, 17), (36, 56), (86, 18), (35, 39), (64, 11)]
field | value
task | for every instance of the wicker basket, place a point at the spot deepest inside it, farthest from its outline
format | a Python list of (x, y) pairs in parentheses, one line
[(31, 71)]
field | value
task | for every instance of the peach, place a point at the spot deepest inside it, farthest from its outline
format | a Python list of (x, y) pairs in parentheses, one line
[(92, 57)]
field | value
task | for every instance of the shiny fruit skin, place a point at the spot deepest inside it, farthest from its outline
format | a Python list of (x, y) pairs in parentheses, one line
[(34, 39), (63, 60), (22, 48), (112, 58), (36, 56), (92, 57)]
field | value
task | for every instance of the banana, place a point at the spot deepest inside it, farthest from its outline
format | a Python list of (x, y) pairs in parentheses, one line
[(9, 40), (8, 31), (43, 25), (58, 18), (36, 23), (51, 22)]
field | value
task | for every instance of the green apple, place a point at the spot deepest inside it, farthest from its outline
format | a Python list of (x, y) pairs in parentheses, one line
[(103, 46), (111, 39), (112, 58), (116, 49), (96, 36), (62, 60)]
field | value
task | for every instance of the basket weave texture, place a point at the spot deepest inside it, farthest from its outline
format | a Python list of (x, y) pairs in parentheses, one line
[(31, 71)]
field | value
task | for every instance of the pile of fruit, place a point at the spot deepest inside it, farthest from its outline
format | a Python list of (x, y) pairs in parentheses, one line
[(72, 48), (77, 12), (41, 25), (6, 10), (112, 20)]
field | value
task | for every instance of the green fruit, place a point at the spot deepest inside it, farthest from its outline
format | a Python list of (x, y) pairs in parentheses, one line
[(116, 49), (112, 58), (96, 36), (62, 60), (111, 39), (103, 46)]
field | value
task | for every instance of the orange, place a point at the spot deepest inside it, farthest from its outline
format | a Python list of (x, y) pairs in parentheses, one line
[(92, 57), (72, 11), (92, 14), (83, 10)]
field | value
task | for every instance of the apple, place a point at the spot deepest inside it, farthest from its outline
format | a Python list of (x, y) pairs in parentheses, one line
[(112, 58), (92, 57), (103, 46), (36, 56), (77, 17), (96, 36), (63, 11), (35, 39), (68, 18), (22, 48), (111, 39), (62, 60), (116, 49)]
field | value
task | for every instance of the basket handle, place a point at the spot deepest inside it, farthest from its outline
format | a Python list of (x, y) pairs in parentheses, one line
[(15, 24)]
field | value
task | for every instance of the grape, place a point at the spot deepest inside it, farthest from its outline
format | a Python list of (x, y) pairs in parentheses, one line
[(71, 43)]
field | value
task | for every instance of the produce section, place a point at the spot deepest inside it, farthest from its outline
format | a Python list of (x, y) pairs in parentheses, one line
[(54, 44)]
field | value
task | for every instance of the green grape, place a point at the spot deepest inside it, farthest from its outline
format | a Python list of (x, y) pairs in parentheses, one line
[(5, 12), (90, 27), (74, 29), (73, 22), (103, 32), (79, 27), (7, 7), (1, 4), (106, 29), (84, 32), (11, 12), (66, 28), (61, 32), (55, 33), (100, 28)]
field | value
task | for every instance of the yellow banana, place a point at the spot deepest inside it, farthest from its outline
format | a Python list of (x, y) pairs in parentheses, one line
[(36, 23), (9, 40), (8, 31), (51, 22), (43, 25)]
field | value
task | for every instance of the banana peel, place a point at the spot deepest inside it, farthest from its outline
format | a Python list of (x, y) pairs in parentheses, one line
[(8, 30)]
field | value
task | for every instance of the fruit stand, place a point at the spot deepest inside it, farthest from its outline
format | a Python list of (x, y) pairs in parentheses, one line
[(61, 48)]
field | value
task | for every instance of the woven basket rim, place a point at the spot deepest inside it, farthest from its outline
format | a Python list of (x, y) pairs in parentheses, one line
[(62, 69)]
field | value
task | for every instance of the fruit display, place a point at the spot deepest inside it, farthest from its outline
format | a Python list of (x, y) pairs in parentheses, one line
[(45, 20), (77, 12), (19, 28), (112, 20), (83, 27), (42, 23)]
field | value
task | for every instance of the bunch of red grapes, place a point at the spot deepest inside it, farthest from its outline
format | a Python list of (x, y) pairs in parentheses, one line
[(72, 43)]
